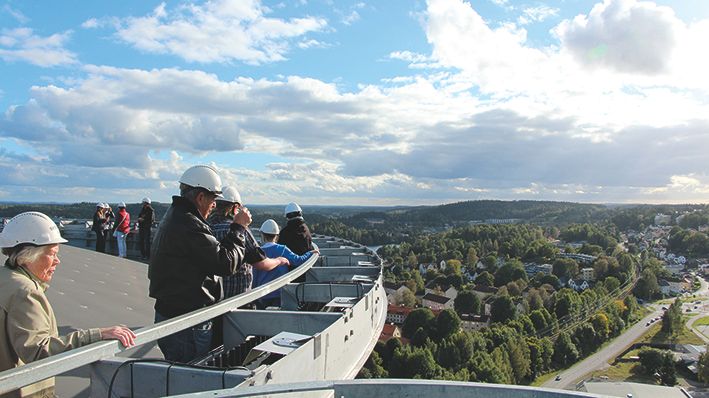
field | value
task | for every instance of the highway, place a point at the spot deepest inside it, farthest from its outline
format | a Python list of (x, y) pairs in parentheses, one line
[(600, 359)]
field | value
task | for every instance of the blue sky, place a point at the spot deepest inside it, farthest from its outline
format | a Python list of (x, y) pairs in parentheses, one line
[(353, 102)]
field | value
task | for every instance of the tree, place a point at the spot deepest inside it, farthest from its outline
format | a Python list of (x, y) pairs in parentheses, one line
[(413, 362), (672, 318), (485, 279), (471, 259), (703, 364), (647, 285), (411, 260), (668, 373), (447, 323), (510, 271), (418, 318), (601, 325), (565, 268), (467, 303), (407, 298), (534, 299), (502, 309), (453, 267), (373, 368), (611, 284), (651, 360), (565, 352)]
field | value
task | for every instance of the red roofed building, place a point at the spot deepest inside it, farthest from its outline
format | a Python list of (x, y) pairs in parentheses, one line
[(389, 331)]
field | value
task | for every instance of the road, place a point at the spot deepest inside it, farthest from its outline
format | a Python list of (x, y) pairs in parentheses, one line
[(600, 359)]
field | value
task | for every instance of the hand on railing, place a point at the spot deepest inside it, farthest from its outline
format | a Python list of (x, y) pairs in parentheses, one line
[(120, 333)]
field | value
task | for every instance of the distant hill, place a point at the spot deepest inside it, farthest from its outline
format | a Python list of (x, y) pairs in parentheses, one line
[(524, 210)]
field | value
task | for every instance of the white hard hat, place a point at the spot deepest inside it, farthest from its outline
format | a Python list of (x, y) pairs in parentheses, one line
[(230, 194), (146, 200), (292, 207), (30, 227), (270, 227), (99, 204), (121, 204), (202, 176), (106, 206)]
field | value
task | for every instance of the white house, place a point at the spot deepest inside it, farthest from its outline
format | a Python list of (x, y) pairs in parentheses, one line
[(437, 302)]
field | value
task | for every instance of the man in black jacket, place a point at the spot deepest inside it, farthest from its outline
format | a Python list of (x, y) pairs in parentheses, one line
[(296, 235), (145, 223), (186, 257)]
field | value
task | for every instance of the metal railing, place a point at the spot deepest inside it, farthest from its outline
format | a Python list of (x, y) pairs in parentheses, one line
[(13, 379), (394, 388)]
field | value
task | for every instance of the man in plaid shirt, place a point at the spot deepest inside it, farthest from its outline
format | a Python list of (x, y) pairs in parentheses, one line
[(219, 221)]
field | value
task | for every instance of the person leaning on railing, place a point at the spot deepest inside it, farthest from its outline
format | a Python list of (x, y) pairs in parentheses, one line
[(29, 333)]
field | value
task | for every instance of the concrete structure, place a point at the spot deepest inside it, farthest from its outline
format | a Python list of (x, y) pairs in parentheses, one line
[(638, 390), (588, 274)]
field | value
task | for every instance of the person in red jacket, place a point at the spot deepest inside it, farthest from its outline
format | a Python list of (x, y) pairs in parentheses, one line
[(122, 228)]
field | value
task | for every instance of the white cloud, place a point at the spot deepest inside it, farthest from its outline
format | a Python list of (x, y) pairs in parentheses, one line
[(90, 23), (21, 44), (623, 35), (17, 14), (351, 18), (217, 31), (536, 14)]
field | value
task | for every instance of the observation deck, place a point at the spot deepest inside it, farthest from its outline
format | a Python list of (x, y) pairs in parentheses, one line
[(313, 344)]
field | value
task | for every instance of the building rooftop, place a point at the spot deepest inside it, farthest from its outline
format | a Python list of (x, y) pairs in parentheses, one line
[(618, 389)]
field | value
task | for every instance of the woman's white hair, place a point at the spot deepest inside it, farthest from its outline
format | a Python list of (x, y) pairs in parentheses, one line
[(25, 255)]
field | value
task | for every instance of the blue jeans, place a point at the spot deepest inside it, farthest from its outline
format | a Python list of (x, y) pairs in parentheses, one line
[(122, 249), (186, 345)]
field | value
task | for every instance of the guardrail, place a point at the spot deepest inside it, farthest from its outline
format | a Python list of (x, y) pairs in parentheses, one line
[(13, 379), (394, 388)]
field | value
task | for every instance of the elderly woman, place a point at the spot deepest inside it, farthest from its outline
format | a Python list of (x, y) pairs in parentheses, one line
[(29, 332)]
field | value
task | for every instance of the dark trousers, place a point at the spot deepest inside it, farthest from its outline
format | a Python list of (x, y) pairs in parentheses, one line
[(186, 345), (100, 242), (144, 242)]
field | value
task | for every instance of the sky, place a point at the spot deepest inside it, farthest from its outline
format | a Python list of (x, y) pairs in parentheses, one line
[(323, 102)]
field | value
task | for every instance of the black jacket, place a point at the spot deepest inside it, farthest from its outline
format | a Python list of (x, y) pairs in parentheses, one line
[(185, 256), (296, 236), (99, 223), (147, 215)]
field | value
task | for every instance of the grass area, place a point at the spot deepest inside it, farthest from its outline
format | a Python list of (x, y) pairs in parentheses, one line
[(656, 335), (702, 321), (625, 371), (543, 378)]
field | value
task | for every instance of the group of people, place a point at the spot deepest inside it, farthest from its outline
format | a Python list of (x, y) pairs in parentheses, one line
[(203, 252), (106, 224)]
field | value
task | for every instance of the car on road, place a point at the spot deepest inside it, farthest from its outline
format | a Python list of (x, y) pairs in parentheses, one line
[(557, 378), (647, 324), (664, 308)]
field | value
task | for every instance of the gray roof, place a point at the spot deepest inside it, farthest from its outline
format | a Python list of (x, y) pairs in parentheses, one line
[(618, 389)]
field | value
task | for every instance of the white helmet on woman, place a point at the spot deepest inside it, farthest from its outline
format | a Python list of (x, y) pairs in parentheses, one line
[(292, 207), (230, 194), (270, 227), (146, 200), (30, 227), (122, 204), (202, 176)]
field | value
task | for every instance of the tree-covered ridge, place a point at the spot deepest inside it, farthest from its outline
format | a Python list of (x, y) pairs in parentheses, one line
[(526, 210)]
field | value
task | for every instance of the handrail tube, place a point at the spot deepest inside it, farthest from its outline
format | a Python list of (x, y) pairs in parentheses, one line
[(33, 372), (425, 387)]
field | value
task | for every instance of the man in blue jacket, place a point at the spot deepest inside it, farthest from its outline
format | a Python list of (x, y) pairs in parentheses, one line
[(269, 233)]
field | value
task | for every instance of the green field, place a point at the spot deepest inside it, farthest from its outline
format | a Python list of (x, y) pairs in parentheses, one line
[(656, 335), (702, 321)]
